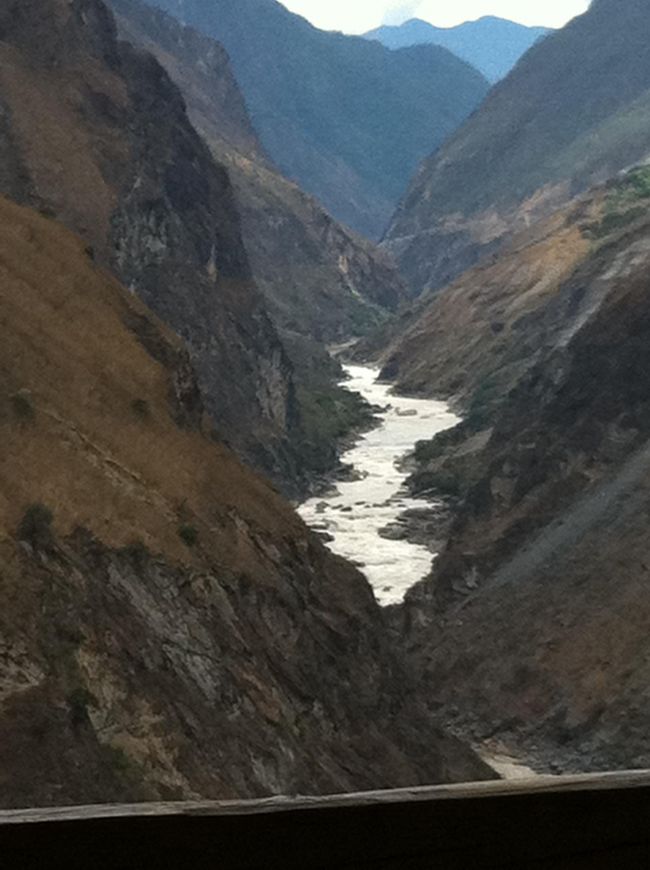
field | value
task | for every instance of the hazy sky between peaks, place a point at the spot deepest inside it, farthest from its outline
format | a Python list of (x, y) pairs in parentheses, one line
[(357, 16)]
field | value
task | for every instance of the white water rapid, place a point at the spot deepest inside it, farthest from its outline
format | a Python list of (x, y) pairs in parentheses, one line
[(361, 508)]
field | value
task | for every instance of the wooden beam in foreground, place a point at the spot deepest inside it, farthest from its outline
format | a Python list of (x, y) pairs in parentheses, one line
[(589, 822)]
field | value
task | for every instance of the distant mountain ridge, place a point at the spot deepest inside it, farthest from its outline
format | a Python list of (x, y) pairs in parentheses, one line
[(490, 44), (572, 113), (346, 118)]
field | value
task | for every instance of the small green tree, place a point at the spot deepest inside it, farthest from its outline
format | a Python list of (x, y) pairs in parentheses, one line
[(188, 534), (79, 700), (140, 408), (36, 526), (21, 402)]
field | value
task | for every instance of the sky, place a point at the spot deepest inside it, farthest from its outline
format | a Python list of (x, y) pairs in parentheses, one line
[(357, 16)]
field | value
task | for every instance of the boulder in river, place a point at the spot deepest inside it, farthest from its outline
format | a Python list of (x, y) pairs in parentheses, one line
[(394, 532)]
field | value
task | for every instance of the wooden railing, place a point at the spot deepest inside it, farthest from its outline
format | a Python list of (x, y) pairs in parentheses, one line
[(589, 822)]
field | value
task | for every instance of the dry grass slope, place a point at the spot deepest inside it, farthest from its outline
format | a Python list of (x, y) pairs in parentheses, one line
[(91, 452)]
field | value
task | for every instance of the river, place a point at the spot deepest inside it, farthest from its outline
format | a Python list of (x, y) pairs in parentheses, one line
[(355, 513)]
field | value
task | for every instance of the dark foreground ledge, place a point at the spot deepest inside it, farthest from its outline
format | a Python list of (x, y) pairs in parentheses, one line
[(589, 822)]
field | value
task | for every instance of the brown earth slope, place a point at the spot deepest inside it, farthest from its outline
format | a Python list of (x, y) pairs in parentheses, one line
[(473, 341), (533, 625), (95, 132), (168, 626)]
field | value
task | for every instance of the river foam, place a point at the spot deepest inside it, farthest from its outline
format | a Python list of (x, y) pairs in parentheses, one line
[(360, 509)]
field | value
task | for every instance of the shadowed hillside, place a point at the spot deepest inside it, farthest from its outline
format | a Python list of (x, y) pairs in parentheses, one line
[(347, 119), (321, 282)]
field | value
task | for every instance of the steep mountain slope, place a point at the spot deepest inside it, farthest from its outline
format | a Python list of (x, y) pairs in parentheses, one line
[(169, 628), (346, 118), (492, 45), (319, 279), (572, 113), (480, 334), (533, 626), (95, 133)]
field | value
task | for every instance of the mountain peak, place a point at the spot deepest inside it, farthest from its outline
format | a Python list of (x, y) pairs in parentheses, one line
[(491, 44)]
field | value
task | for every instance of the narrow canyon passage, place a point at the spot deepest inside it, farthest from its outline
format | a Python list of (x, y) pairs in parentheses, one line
[(366, 519), (364, 516)]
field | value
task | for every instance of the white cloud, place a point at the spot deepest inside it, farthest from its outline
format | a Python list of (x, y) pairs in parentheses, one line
[(357, 16), (397, 12), (351, 16)]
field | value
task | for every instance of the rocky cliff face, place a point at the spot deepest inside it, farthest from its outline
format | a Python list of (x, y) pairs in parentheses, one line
[(532, 627), (169, 628), (320, 280), (551, 129), (95, 133)]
